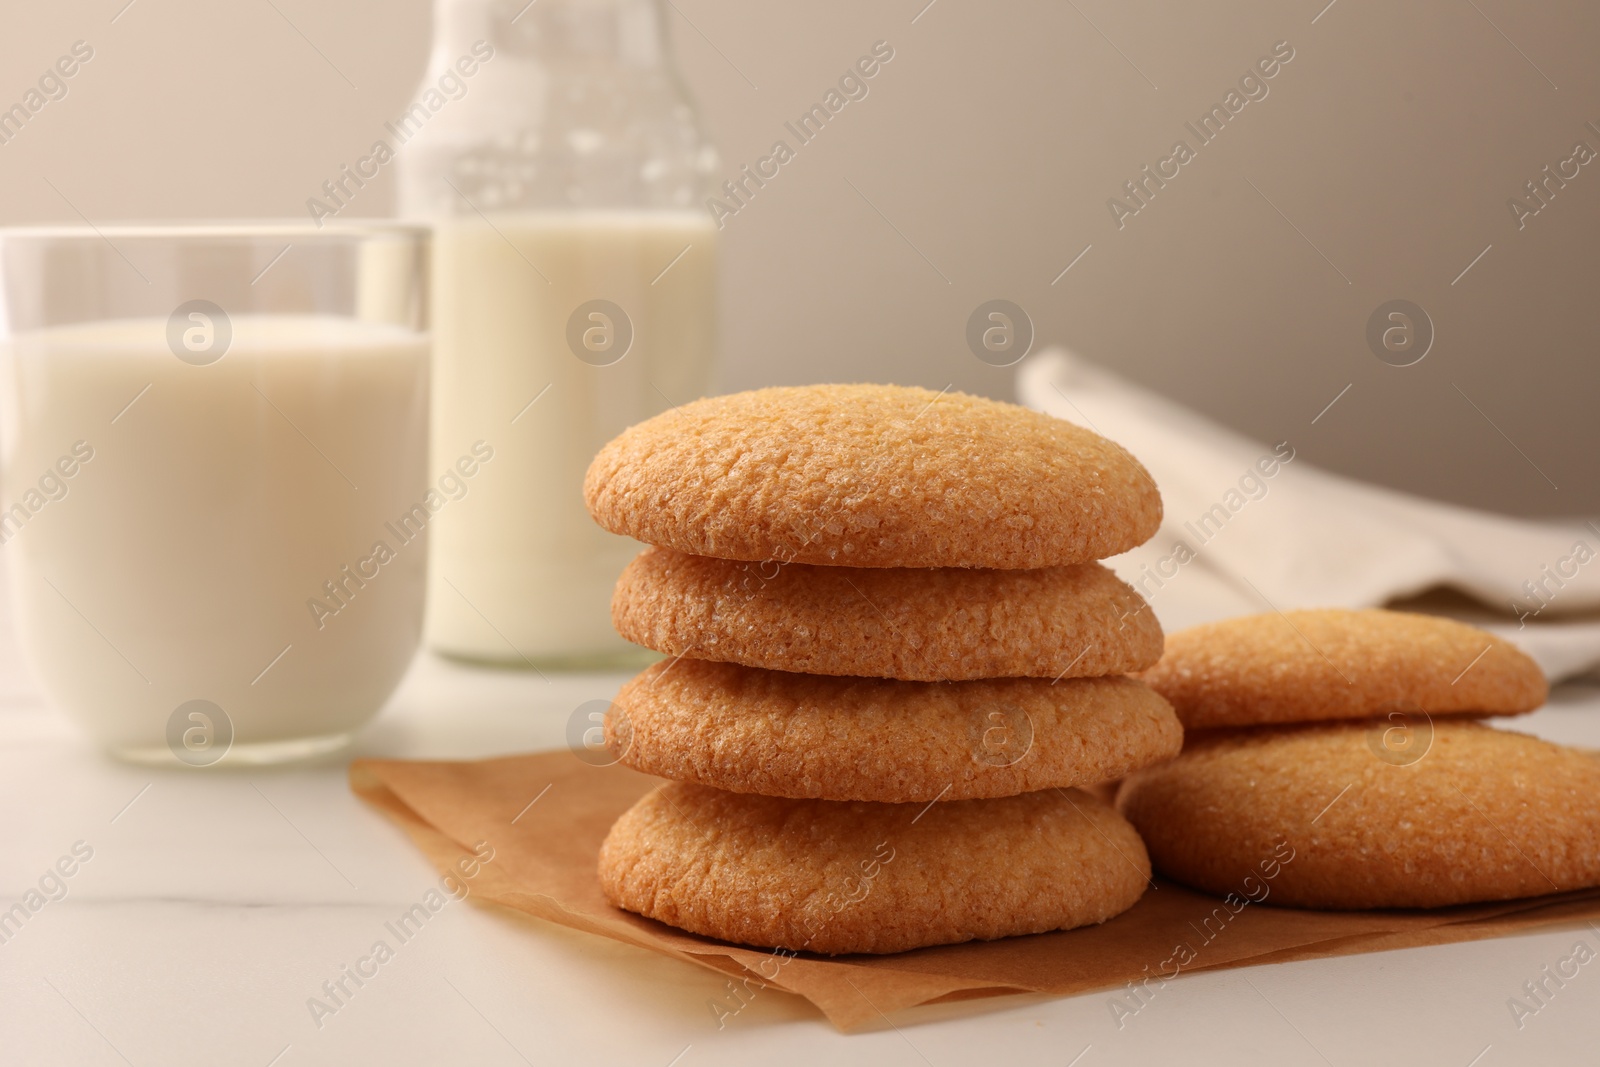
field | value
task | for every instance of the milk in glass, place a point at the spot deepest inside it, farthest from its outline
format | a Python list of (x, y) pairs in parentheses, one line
[(170, 528)]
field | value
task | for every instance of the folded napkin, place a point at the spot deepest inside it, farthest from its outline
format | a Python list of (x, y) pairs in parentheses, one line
[(1251, 526)]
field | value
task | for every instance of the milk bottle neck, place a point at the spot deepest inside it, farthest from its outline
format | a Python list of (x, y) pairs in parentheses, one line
[(552, 105), (622, 35)]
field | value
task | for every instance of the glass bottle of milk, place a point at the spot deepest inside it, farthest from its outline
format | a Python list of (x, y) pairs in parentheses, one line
[(574, 288)]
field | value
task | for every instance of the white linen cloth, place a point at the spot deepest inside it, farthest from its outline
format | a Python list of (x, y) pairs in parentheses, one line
[(1252, 526)]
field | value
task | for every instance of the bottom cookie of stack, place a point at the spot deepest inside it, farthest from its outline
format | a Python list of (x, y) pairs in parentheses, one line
[(838, 877)]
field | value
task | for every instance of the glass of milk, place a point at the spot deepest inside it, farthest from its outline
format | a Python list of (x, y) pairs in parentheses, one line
[(214, 493), (574, 284)]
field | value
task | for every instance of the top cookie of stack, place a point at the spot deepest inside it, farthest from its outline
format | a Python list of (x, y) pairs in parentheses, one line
[(877, 598), (872, 476)]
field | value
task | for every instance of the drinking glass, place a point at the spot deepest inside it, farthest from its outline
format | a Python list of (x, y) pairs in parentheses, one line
[(213, 494)]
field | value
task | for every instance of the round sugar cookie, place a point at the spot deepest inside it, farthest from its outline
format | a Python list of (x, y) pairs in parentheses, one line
[(818, 876), (946, 624), (872, 476), (1307, 666), (748, 730), (1348, 815)]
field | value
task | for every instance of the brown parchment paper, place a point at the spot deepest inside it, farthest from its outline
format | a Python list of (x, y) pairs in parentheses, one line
[(545, 815)]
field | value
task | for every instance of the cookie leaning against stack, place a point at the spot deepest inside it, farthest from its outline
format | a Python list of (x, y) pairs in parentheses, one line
[(894, 658), (1347, 736)]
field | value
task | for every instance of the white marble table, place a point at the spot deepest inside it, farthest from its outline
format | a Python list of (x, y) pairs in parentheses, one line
[(214, 905)]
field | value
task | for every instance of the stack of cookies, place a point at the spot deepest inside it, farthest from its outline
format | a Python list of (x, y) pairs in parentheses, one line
[(894, 668), (1338, 750)]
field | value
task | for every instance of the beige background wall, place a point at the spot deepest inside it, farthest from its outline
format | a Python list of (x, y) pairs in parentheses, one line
[(1387, 148)]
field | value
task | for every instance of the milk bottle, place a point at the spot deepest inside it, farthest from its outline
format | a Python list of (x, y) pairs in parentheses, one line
[(574, 282)]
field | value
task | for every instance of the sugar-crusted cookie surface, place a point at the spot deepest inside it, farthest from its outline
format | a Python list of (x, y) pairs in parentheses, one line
[(948, 624), (1306, 666), (1456, 812), (815, 876), (872, 476), (795, 735)]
